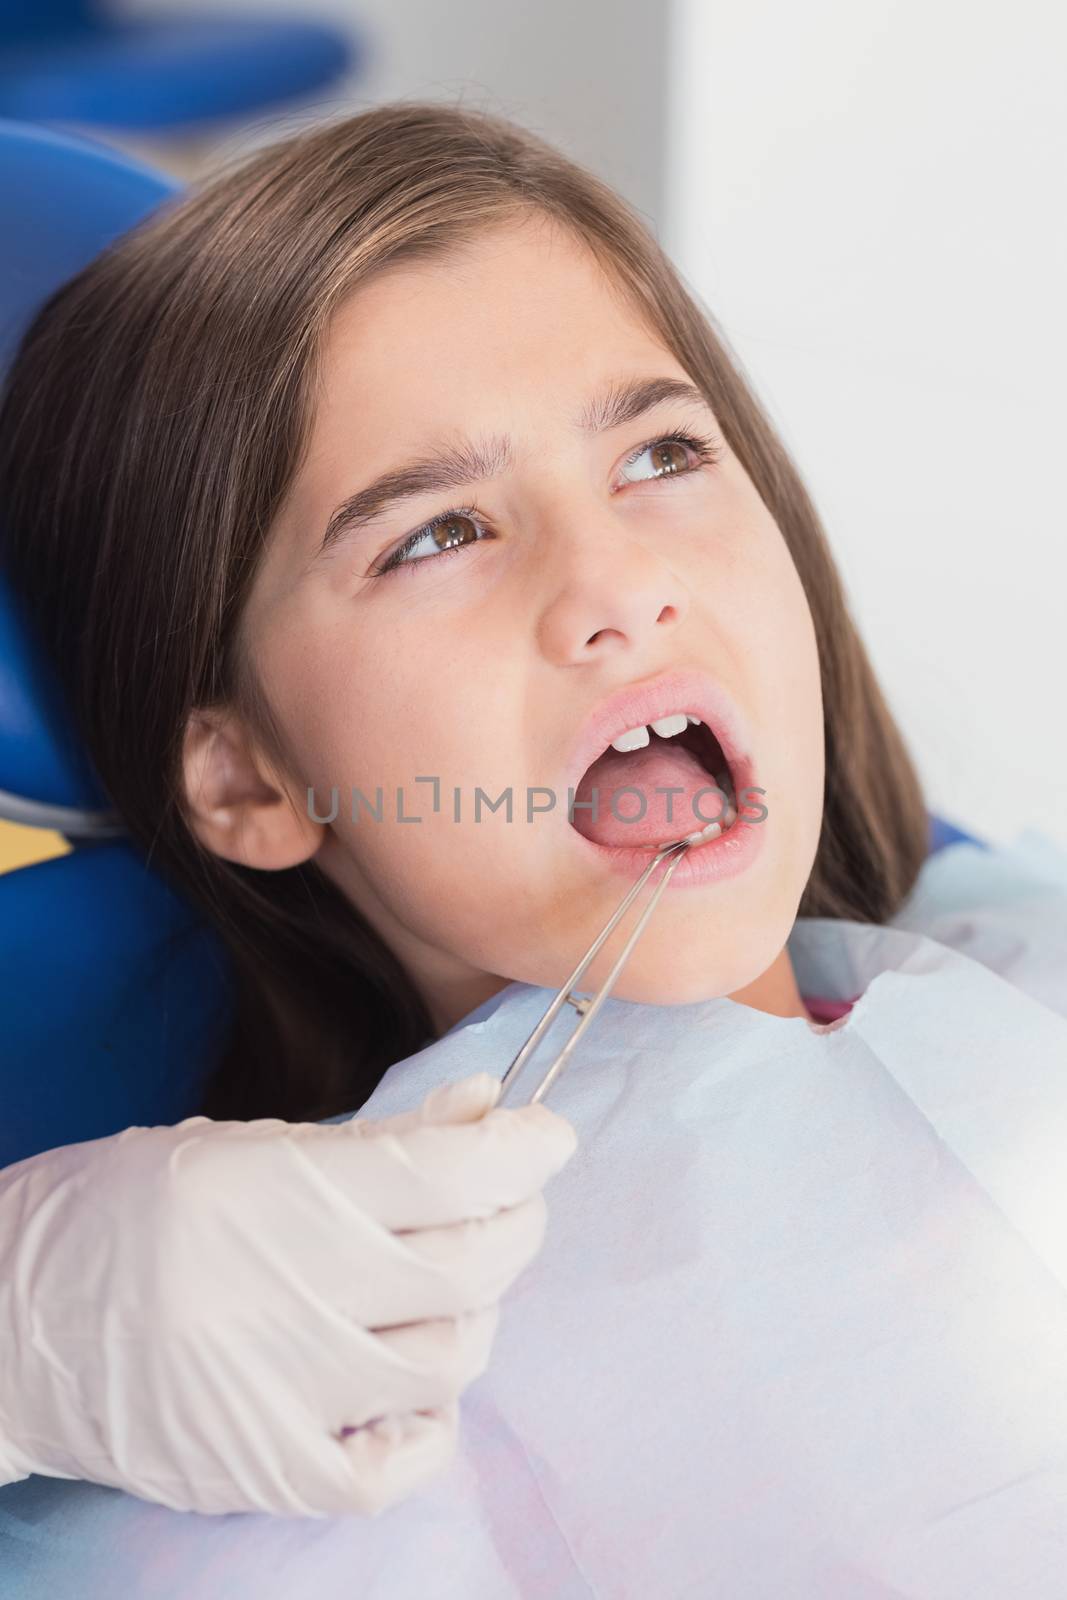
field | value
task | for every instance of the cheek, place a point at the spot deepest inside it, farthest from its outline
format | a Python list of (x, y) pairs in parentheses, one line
[(777, 623), (775, 634), (372, 709), (800, 778), (359, 707)]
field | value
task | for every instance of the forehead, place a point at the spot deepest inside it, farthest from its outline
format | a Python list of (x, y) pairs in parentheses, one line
[(522, 310)]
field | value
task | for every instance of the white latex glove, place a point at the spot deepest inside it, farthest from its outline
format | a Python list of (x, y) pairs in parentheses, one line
[(195, 1313)]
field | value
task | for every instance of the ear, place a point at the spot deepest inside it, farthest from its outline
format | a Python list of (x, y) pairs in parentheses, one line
[(238, 806)]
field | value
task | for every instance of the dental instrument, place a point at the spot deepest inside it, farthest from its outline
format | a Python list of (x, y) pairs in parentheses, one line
[(588, 1008)]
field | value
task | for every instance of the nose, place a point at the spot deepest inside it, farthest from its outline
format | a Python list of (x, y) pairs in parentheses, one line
[(608, 590)]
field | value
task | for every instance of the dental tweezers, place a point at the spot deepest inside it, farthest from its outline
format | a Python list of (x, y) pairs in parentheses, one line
[(588, 1008)]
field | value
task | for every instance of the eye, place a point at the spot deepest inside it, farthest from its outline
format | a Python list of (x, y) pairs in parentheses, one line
[(448, 533), (451, 532), (667, 451)]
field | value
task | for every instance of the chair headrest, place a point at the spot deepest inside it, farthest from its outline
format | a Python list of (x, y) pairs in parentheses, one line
[(62, 200)]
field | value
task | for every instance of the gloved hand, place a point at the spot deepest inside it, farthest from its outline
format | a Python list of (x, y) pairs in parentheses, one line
[(265, 1316)]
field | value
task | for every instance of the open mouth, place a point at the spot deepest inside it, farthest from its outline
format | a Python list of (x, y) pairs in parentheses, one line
[(677, 767)]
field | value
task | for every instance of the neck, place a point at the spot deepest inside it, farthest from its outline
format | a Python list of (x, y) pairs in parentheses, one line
[(454, 997), (774, 991)]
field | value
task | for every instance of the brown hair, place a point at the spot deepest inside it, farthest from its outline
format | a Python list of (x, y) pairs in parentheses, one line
[(153, 419)]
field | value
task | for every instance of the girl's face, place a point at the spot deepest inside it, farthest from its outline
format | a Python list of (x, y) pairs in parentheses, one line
[(579, 561)]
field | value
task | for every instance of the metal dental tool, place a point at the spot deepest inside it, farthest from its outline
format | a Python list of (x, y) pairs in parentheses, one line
[(589, 1008)]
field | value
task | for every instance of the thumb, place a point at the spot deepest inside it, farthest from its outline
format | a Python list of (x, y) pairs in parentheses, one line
[(464, 1101)]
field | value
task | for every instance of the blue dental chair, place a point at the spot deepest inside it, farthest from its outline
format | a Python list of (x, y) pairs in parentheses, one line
[(76, 61), (114, 996)]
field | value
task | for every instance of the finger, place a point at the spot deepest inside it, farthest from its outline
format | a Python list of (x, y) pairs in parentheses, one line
[(438, 1272), (390, 1459), (463, 1101), (436, 1173), (294, 1207), (348, 1377), (478, 1260), (307, 1250), (424, 1364)]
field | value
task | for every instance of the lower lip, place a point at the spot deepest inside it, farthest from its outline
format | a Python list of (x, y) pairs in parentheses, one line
[(728, 856)]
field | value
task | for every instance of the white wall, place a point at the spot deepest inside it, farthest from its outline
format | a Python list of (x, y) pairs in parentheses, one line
[(870, 198), (587, 74)]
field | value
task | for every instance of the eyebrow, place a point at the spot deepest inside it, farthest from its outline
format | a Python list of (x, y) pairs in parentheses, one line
[(474, 461)]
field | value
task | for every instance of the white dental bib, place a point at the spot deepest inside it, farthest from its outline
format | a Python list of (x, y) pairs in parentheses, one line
[(798, 1328)]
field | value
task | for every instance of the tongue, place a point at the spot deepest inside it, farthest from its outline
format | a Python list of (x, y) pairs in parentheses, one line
[(661, 764)]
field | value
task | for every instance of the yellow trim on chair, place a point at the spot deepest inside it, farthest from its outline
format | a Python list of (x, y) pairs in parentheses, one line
[(23, 847)]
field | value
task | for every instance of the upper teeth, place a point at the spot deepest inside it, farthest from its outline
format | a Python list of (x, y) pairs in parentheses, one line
[(666, 727)]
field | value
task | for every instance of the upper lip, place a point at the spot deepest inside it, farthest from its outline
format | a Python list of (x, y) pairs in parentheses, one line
[(647, 701)]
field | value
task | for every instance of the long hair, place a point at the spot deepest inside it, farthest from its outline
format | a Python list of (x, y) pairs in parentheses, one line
[(152, 421)]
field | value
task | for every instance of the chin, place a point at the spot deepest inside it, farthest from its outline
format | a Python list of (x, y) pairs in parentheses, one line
[(703, 970)]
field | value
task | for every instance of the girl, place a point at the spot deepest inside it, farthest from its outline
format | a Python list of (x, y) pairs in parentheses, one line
[(399, 459)]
